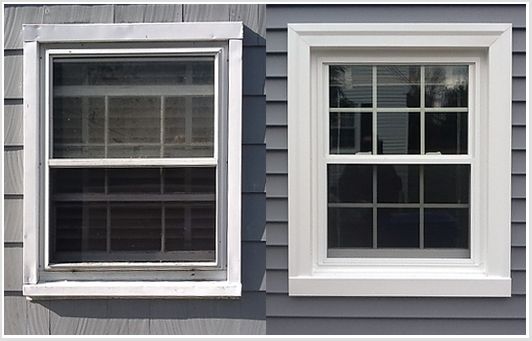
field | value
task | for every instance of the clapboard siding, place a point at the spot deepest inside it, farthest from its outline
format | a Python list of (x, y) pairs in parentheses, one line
[(147, 13), (241, 316), (13, 125), (373, 315), (394, 326), (278, 16), (13, 220)]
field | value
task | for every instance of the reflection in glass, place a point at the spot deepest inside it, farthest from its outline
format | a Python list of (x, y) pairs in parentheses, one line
[(350, 183), (350, 133), (447, 184), (398, 227), (398, 184), (117, 214), (196, 113), (446, 86), (121, 107), (446, 133), (447, 228), (350, 86), (398, 133), (398, 86), (350, 227), (78, 127)]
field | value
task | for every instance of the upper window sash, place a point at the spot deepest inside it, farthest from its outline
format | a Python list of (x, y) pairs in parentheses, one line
[(217, 53)]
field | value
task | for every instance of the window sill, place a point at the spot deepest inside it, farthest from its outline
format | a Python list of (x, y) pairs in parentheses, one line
[(133, 289), (444, 286)]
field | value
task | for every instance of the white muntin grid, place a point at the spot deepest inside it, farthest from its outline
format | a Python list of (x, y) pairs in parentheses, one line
[(421, 159), (160, 162)]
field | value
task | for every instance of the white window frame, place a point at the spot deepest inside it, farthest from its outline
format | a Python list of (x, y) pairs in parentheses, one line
[(487, 47), (130, 280)]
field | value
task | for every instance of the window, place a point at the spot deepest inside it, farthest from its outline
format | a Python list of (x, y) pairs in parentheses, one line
[(139, 185), (392, 150), (391, 209)]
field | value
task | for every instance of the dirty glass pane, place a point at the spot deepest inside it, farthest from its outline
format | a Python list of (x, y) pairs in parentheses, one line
[(135, 214), (133, 107)]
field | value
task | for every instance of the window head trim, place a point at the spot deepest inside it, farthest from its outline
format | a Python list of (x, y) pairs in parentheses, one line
[(492, 273), (36, 35)]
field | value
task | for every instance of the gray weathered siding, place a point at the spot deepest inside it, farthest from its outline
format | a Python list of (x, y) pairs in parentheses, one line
[(242, 316), (365, 315)]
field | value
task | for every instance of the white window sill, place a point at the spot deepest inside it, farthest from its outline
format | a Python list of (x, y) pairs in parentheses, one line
[(470, 286), (133, 289)]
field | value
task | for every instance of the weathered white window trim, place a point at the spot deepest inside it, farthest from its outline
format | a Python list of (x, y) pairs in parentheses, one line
[(487, 271), (140, 280)]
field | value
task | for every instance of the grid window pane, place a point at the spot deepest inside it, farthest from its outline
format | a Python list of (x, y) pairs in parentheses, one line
[(398, 227), (350, 86), (398, 133), (398, 184), (350, 183), (136, 214), (446, 86), (447, 228), (398, 86), (350, 227), (350, 133), (124, 107), (447, 184), (446, 133)]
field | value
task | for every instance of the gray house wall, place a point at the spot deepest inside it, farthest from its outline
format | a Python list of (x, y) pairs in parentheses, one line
[(341, 315), (242, 316)]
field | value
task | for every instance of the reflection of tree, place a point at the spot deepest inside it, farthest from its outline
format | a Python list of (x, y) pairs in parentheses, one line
[(337, 85), (447, 86)]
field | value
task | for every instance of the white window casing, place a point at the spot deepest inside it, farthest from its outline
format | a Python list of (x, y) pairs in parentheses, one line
[(144, 279), (487, 49)]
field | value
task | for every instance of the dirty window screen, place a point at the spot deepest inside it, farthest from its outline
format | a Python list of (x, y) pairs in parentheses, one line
[(387, 209), (124, 108)]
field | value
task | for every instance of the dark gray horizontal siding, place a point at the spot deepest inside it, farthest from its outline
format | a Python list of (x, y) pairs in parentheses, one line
[(394, 326), (241, 316), (373, 315), (279, 15)]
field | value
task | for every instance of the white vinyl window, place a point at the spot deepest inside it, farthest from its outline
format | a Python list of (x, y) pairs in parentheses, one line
[(140, 150), (389, 152)]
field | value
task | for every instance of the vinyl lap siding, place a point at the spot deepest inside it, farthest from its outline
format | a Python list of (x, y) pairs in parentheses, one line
[(373, 315), (124, 316)]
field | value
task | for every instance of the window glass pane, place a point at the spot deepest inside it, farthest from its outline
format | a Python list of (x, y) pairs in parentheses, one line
[(446, 86), (398, 184), (122, 107), (78, 127), (350, 183), (398, 133), (350, 227), (447, 228), (350, 133), (136, 214), (446, 133), (398, 86), (398, 227), (350, 86), (447, 184)]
